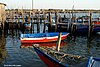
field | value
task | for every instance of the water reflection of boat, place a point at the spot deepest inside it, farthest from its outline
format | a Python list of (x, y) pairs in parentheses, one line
[(42, 37), (58, 61), (50, 44)]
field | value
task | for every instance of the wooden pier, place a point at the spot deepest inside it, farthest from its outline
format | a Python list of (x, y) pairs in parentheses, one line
[(55, 20)]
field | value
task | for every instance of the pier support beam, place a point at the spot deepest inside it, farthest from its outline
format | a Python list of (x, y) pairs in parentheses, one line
[(56, 22), (90, 26), (44, 23), (38, 24), (32, 24), (50, 25)]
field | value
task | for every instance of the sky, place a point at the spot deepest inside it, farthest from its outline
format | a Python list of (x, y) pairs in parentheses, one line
[(52, 4)]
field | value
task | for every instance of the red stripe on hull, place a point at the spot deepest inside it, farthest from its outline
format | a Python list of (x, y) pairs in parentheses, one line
[(50, 63), (97, 23)]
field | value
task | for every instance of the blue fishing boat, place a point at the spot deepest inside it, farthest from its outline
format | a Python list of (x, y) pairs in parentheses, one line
[(93, 62), (42, 37)]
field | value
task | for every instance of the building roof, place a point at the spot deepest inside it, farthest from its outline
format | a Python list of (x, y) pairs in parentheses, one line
[(3, 4)]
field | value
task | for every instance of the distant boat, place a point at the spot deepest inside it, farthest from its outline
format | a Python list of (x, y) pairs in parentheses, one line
[(52, 62), (96, 26), (93, 62), (84, 28), (42, 37), (27, 25), (83, 24)]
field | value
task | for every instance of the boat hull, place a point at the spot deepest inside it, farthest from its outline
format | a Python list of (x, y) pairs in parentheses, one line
[(51, 62)]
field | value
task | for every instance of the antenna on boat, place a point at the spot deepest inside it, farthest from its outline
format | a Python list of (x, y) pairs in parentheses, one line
[(58, 42)]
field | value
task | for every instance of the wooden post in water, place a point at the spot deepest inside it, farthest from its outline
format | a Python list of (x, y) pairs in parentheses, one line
[(32, 23), (60, 19), (50, 25), (64, 15), (12, 24), (38, 23), (58, 42), (56, 22), (82, 20), (44, 23), (90, 26), (69, 22)]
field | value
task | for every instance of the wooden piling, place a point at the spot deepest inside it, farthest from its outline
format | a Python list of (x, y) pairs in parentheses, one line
[(90, 26), (74, 32), (64, 15), (58, 42), (56, 22), (44, 23), (38, 24), (50, 20), (72, 27), (82, 20), (60, 19), (38, 27), (69, 22), (32, 24)]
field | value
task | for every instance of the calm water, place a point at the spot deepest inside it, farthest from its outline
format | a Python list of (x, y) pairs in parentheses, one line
[(83, 46), (12, 54)]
